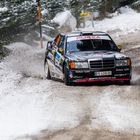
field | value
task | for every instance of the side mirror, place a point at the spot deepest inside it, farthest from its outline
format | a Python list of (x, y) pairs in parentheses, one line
[(48, 46), (120, 47)]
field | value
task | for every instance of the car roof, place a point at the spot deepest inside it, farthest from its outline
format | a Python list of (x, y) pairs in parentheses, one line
[(77, 33)]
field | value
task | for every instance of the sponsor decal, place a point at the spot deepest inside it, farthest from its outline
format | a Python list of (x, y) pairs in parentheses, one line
[(58, 57), (51, 56), (88, 38), (53, 52)]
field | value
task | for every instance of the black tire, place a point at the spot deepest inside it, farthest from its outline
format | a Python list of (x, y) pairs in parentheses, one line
[(66, 77), (47, 70), (127, 82)]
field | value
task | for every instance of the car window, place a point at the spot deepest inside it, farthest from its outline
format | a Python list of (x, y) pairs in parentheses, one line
[(57, 40), (91, 45), (80, 45), (104, 45), (61, 43)]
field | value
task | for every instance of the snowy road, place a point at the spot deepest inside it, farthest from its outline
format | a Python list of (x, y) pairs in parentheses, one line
[(32, 107)]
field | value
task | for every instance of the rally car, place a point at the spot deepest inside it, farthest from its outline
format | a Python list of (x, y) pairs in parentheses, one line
[(79, 57)]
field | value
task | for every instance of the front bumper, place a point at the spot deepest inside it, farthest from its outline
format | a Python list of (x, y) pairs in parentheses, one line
[(100, 80), (88, 75)]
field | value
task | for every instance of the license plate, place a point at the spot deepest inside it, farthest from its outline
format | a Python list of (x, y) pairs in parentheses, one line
[(103, 73)]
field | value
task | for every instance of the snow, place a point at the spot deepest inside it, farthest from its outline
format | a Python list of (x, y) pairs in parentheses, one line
[(128, 21), (46, 26), (26, 101), (3, 9), (96, 14), (118, 114), (6, 19), (44, 12), (132, 48), (65, 19), (27, 110)]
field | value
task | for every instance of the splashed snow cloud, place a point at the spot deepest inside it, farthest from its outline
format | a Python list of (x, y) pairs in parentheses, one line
[(65, 20)]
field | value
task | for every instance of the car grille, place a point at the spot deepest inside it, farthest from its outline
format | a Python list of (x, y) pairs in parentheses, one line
[(102, 63)]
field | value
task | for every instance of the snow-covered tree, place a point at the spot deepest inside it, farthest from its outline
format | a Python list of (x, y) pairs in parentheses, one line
[(16, 17), (136, 5)]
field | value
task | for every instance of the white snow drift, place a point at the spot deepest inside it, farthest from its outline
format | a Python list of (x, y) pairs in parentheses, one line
[(66, 21), (127, 21), (3, 9)]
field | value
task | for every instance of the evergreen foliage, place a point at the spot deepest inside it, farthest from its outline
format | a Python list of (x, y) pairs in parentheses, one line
[(19, 18), (136, 5)]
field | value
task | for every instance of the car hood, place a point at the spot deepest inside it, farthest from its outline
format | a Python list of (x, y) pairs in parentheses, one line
[(83, 56)]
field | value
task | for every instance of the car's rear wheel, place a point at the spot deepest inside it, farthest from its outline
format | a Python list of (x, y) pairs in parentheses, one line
[(47, 70), (66, 77)]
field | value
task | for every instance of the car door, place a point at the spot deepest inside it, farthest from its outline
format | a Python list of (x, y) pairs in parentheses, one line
[(59, 58), (50, 56), (54, 56)]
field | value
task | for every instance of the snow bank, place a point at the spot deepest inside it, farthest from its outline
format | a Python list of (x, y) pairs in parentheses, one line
[(44, 12), (3, 9), (126, 10), (127, 21), (66, 21)]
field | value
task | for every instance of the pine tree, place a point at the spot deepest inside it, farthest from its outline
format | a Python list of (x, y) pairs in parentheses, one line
[(136, 5), (19, 18)]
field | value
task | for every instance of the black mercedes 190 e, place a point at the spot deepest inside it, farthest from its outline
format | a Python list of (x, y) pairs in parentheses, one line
[(78, 57)]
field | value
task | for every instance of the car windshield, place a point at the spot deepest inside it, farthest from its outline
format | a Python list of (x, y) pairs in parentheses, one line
[(90, 45)]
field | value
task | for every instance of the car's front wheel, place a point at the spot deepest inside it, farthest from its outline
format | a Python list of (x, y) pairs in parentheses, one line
[(47, 70), (66, 77)]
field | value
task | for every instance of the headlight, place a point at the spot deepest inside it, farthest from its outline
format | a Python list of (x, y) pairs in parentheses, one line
[(78, 65), (81, 65), (125, 62)]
